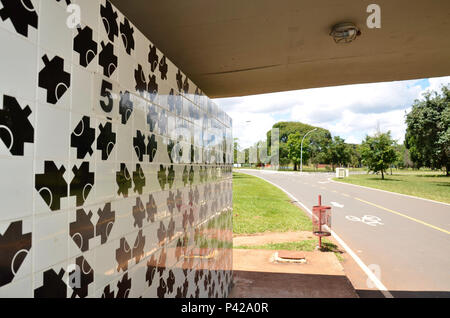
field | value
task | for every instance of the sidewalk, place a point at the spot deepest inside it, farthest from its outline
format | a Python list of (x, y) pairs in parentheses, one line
[(257, 276)]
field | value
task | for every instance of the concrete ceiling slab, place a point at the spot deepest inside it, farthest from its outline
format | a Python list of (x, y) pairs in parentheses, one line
[(243, 47)]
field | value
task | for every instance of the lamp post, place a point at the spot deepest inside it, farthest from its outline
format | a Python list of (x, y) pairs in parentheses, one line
[(301, 149)]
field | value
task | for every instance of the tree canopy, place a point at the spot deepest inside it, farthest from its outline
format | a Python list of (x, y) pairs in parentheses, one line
[(428, 130), (379, 152)]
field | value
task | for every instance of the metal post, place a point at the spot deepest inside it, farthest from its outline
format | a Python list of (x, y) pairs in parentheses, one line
[(320, 222), (301, 149)]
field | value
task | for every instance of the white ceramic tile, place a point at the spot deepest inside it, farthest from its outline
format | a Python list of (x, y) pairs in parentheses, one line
[(16, 187), (106, 97), (124, 144), (82, 91), (18, 66), (52, 133), (54, 34), (105, 181), (20, 289), (50, 241), (90, 13)]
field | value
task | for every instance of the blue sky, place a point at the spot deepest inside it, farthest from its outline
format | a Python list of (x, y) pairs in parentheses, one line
[(349, 111)]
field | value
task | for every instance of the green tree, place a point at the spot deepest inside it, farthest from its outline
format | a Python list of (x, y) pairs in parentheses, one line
[(428, 130), (379, 152), (355, 155), (236, 148), (294, 149), (339, 153), (319, 140)]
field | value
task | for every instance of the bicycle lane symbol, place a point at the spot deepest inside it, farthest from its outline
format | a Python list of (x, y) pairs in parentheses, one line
[(370, 220)]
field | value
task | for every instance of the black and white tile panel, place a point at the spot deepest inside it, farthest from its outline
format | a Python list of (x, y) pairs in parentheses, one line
[(115, 169)]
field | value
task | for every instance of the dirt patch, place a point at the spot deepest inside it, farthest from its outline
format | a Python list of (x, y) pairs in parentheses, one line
[(271, 237)]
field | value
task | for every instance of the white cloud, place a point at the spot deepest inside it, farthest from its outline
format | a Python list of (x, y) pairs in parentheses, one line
[(350, 111)]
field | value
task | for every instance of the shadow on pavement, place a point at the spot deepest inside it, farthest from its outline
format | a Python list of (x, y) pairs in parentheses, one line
[(248, 284)]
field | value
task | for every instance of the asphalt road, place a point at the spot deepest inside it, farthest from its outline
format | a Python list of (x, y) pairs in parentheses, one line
[(405, 241)]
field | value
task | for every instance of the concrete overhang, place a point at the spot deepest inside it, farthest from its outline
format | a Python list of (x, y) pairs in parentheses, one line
[(243, 47)]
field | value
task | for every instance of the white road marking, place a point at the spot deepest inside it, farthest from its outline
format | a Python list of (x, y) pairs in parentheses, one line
[(371, 220), (401, 194), (358, 261), (337, 205)]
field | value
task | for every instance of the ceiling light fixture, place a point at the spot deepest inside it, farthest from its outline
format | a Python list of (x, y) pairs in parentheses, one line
[(345, 32)]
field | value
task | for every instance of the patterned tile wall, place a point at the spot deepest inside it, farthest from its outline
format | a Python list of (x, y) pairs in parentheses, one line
[(115, 169)]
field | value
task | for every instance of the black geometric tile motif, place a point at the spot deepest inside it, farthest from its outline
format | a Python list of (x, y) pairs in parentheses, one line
[(109, 18), (179, 200), (152, 87), (125, 106), (151, 270), (54, 286), (161, 233), (85, 45), (139, 145), (14, 248), (126, 31), (162, 177), (171, 202), (21, 13), (123, 179), (179, 77), (162, 262), (82, 230), (185, 175), (138, 179), (107, 59), (107, 293), (171, 100), (51, 185), (162, 288), (123, 255), (174, 151), (153, 58), (82, 183), (138, 213), (152, 147), (105, 222), (124, 287), (67, 1), (163, 68), (152, 117), (171, 229), (170, 176), (139, 77), (182, 290), (83, 137), (170, 281), (151, 208), (17, 129), (86, 278), (186, 85), (54, 79), (138, 247), (106, 140)]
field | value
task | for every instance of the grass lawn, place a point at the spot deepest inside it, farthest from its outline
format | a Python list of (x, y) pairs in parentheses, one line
[(261, 207), (307, 245), (428, 186)]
